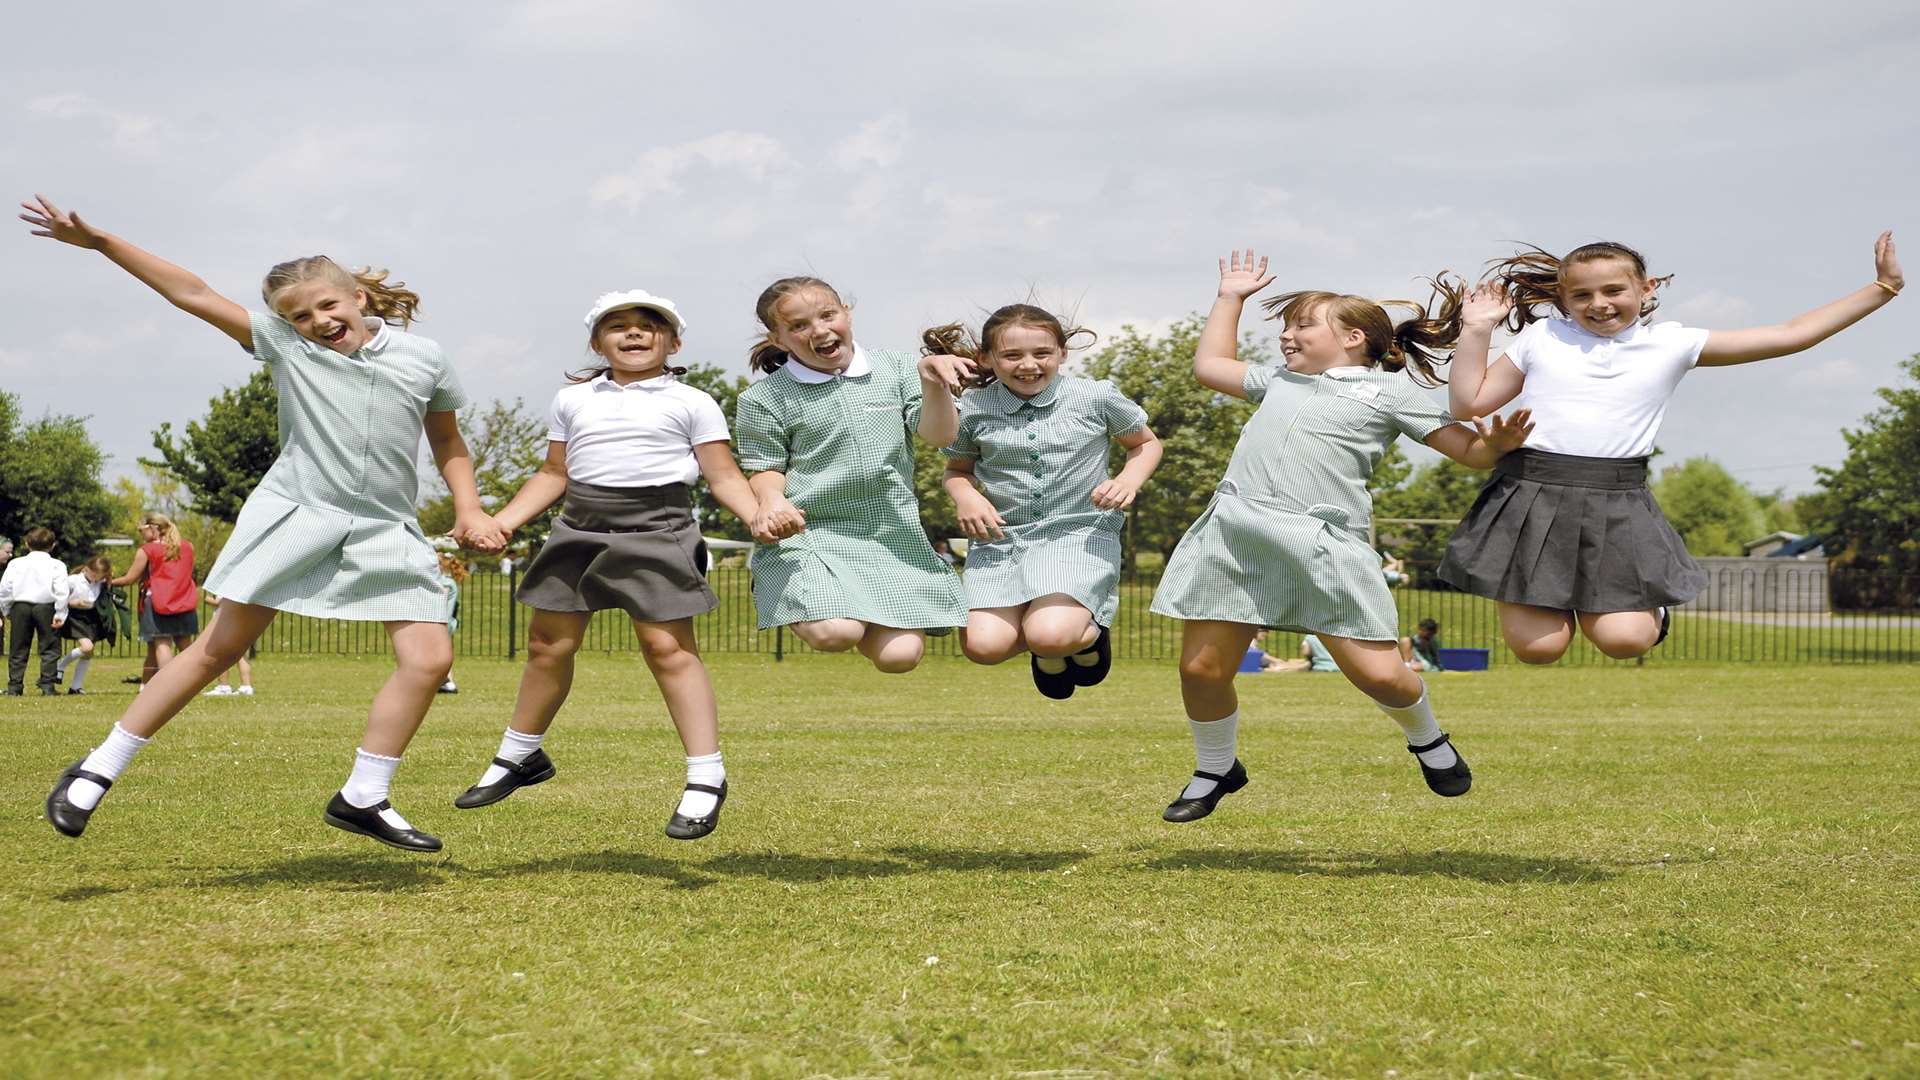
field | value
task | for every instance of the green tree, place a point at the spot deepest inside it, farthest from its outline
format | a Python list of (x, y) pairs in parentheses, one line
[(1197, 427), (1441, 490), (508, 443), (1868, 509), (715, 521), (50, 475), (1713, 512), (164, 493), (223, 457)]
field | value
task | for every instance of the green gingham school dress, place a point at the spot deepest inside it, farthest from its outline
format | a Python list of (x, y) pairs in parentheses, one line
[(1283, 544), (843, 445), (1038, 460), (331, 531)]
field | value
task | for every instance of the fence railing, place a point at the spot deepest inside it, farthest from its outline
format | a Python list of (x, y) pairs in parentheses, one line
[(1801, 631)]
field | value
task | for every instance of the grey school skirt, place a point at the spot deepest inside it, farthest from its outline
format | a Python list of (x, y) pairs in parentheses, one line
[(636, 549), (1571, 533)]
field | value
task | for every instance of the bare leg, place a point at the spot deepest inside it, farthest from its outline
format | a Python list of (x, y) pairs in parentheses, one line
[(892, 649), (178, 681), (1536, 635), (673, 656), (553, 637), (423, 654), (1376, 670), (830, 635), (1056, 625), (993, 634), (1210, 655), (1622, 635)]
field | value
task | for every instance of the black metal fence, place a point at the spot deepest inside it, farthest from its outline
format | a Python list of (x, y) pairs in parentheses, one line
[(1771, 614)]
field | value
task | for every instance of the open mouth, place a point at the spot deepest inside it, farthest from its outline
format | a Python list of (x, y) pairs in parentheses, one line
[(336, 335), (829, 351)]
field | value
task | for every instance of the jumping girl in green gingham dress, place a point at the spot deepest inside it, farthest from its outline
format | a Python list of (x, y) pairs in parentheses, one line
[(1284, 542), (1043, 573), (331, 530), (823, 440)]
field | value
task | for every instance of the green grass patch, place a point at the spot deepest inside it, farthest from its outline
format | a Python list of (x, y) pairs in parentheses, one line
[(1678, 870)]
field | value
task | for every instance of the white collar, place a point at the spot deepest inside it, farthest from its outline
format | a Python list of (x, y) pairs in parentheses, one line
[(380, 339), (1347, 371), (658, 382), (1632, 330), (855, 368)]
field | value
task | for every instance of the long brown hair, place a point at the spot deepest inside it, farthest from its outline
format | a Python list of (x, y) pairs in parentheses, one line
[(953, 339), (766, 354), (1416, 345), (393, 303), (588, 374), (1532, 278)]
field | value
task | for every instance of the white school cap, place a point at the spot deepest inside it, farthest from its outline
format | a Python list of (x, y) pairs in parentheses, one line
[(636, 298)]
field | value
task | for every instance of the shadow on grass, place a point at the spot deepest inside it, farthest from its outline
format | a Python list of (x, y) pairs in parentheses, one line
[(87, 892), (974, 860), (630, 864), (372, 871), (1494, 869)]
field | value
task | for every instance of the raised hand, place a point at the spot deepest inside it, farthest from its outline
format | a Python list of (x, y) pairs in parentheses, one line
[(1886, 263), (1241, 277), (942, 369), (1506, 434), (1115, 494), (54, 223), (1486, 306)]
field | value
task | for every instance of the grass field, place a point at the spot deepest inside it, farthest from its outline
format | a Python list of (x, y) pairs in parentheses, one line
[(1662, 871)]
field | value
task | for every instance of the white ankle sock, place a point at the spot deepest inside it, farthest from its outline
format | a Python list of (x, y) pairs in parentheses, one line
[(109, 759), (1213, 751), (369, 783), (705, 769), (80, 673), (515, 747), (1417, 721)]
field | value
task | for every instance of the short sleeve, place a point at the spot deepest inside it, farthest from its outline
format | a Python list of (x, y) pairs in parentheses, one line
[(1255, 384), (1416, 414), (1685, 342), (1122, 416), (759, 435), (274, 338), (448, 394), (910, 395), (966, 444), (1521, 349), (559, 419), (707, 423)]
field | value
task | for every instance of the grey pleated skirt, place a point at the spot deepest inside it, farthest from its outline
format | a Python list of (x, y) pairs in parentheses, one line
[(1570, 533), (635, 549)]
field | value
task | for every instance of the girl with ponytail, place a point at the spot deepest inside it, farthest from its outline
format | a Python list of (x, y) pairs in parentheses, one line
[(1284, 544), (332, 530)]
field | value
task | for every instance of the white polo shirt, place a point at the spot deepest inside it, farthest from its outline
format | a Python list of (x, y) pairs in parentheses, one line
[(638, 435), (1600, 396), (34, 578)]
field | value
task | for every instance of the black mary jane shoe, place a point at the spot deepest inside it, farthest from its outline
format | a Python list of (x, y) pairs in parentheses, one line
[(1223, 786), (1455, 779), (682, 827), (69, 819), (366, 821), (537, 769), (1095, 673), (1058, 686)]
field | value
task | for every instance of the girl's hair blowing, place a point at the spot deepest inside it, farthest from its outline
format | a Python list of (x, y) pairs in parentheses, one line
[(1417, 345), (1532, 278), (767, 354), (954, 340), (393, 303), (169, 533)]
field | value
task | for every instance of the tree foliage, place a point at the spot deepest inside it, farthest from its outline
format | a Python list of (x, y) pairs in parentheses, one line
[(223, 456), (1868, 509), (1439, 490), (715, 521), (1713, 512), (50, 475)]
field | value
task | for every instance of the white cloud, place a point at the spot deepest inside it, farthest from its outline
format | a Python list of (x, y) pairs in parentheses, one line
[(1712, 309), (1834, 373), (659, 171), (130, 131), (880, 143)]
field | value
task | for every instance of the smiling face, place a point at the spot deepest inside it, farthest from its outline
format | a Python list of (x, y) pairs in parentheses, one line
[(1026, 358), (635, 343), (1313, 342), (326, 313), (814, 327), (1604, 296)]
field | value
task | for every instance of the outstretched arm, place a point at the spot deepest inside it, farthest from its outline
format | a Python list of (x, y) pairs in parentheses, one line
[(1216, 356), (1474, 387), (1726, 347), (471, 524), (729, 486), (1485, 443), (538, 492), (182, 288)]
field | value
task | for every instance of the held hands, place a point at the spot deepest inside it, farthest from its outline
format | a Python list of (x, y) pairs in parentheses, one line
[(1505, 434), (777, 520), (1115, 494), (1886, 263), (52, 222), (1240, 277), (1486, 306), (978, 519), (941, 369), (479, 532)]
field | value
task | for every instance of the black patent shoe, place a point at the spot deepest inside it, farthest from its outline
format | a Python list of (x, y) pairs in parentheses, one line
[(1058, 687), (1223, 786), (69, 819), (537, 769), (1095, 673), (366, 821), (682, 827), (1455, 779)]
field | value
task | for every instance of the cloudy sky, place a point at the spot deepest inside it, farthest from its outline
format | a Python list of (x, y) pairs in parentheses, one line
[(512, 161)]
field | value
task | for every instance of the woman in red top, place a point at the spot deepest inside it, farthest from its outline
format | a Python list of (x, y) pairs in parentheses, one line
[(170, 601)]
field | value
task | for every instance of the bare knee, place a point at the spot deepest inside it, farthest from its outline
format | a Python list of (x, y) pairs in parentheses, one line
[(1205, 670), (427, 662), (980, 650), (546, 648), (830, 635), (1622, 648), (898, 654), (1053, 640), (663, 652), (1537, 652), (86, 647)]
